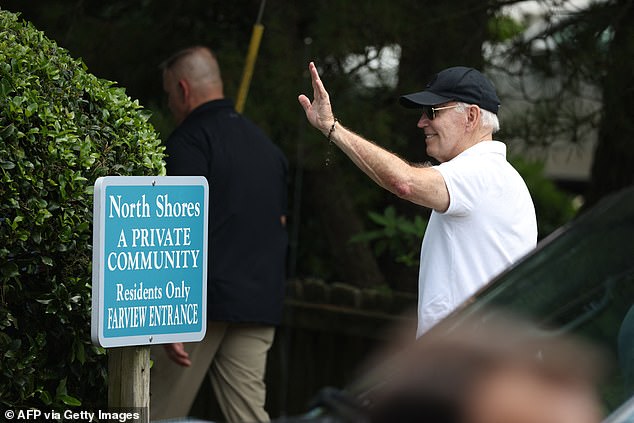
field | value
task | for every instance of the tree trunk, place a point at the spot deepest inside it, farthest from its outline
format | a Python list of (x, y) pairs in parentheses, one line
[(354, 262), (614, 154)]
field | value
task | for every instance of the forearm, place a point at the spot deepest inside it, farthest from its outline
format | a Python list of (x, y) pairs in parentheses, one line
[(382, 166), (423, 186)]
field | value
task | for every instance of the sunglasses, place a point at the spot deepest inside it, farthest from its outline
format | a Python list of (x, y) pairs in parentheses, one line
[(430, 111)]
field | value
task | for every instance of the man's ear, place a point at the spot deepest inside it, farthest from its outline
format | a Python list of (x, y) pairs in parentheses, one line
[(183, 87), (473, 116)]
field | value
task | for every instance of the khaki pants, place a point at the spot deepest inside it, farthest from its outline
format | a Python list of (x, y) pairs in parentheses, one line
[(234, 357)]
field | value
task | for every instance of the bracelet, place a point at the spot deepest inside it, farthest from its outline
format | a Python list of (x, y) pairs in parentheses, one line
[(332, 128)]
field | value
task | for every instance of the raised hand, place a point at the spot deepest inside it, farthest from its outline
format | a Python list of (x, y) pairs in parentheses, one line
[(319, 112)]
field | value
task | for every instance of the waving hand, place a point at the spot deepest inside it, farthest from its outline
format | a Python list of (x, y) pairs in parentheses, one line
[(319, 112)]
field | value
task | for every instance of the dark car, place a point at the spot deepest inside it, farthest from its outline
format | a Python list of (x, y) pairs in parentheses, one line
[(579, 282)]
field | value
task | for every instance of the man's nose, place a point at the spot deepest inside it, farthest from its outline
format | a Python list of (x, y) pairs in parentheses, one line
[(423, 121)]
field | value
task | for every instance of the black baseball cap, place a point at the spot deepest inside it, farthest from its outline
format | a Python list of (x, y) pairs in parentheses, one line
[(458, 83)]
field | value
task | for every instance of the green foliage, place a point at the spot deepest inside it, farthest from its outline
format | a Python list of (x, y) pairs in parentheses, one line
[(503, 27), (60, 129), (397, 235), (552, 206)]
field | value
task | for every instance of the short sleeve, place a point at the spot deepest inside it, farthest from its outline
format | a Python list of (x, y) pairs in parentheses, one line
[(465, 183)]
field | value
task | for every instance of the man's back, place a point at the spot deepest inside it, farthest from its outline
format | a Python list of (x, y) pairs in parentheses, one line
[(247, 178)]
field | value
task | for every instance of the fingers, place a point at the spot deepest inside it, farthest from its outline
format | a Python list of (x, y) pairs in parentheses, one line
[(319, 91), (317, 86), (319, 111), (176, 352), (314, 75), (304, 101)]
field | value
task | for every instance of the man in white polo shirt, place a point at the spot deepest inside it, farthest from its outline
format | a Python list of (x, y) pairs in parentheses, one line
[(483, 218)]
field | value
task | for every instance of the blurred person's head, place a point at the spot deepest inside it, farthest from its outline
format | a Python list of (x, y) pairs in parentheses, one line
[(519, 393), (489, 370)]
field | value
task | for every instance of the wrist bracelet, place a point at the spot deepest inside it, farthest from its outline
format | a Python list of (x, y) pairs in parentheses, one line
[(332, 128)]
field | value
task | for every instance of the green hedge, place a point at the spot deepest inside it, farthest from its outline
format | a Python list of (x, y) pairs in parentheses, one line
[(60, 129)]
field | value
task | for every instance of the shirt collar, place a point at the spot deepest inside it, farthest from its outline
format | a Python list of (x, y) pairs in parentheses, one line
[(221, 103), (482, 147)]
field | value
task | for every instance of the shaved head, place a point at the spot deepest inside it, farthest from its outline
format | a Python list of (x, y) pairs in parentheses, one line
[(191, 77), (197, 64)]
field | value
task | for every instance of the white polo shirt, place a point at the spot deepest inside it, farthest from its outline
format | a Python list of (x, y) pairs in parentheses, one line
[(490, 223)]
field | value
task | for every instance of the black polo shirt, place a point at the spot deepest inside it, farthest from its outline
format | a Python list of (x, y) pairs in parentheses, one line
[(247, 177)]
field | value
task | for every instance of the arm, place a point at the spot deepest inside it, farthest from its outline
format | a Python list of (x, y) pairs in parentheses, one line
[(421, 185)]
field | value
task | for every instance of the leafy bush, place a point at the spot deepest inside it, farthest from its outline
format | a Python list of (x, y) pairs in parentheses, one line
[(396, 235), (60, 129)]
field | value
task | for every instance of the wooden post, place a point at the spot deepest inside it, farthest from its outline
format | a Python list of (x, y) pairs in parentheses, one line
[(129, 380)]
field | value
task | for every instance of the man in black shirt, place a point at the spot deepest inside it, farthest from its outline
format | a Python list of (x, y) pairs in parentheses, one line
[(247, 177)]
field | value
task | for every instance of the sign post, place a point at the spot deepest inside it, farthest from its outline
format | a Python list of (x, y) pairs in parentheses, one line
[(149, 274)]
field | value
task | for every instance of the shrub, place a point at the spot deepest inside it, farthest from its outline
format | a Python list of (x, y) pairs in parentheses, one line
[(396, 235), (60, 129)]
